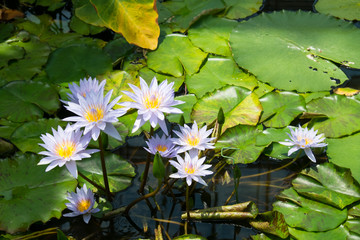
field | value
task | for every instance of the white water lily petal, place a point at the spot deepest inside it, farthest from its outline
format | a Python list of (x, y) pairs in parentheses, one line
[(163, 145)]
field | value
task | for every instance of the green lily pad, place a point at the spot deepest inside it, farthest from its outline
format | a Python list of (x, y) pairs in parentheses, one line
[(36, 54), (308, 214), (281, 108), (240, 106), (190, 236), (271, 222), (216, 29), (174, 55), (353, 225), (311, 96), (120, 172), (342, 115), (75, 62), (9, 52), (189, 101), (188, 12), (337, 233), (83, 28), (355, 211), (242, 9), (217, 73), (298, 47), (129, 119), (29, 194), (86, 12), (344, 152), (118, 48), (23, 101), (52, 5), (328, 184), (6, 30), (263, 89), (7, 128), (147, 73), (347, 9), (27, 136), (242, 139)]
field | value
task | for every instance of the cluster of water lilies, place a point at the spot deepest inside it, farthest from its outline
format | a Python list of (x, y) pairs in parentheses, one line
[(94, 114)]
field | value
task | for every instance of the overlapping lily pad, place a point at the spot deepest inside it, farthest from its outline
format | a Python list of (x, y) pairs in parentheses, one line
[(347, 9), (341, 115), (241, 9), (242, 141), (29, 194), (294, 50), (189, 101), (22, 101), (217, 73), (174, 55)]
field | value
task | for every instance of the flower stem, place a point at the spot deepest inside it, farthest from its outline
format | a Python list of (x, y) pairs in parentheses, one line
[(93, 183), (187, 210), (103, 166), (147, 166)]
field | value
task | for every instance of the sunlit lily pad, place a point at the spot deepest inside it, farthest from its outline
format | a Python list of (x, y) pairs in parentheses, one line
[(342, 115), (345, 152), (216, 29), (22, 101), (189, 101), (281, 108), (338, 233), (188, 12), (217, 73), (240, 106), (75, 62), (347, 9), (148, 74), (291, 50), (28, 194), (174, 55), (242, 140), (242, 9), (120, 172), (347, 91)]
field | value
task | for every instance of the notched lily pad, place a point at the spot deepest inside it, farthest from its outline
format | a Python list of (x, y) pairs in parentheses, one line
[(347, 9)]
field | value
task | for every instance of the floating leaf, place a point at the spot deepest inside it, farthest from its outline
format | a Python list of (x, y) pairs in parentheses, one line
[(22, 101), (308, 214), (328, 184), (75, 62), (189, 101), (342, 115), (216, 29), (243, 139), (9, 52), (118, 48), (29, 194), (346, 91), (344, 152), (83, 28), (120, 172), (51, 4), (217, 73), (240, 106), (188, 12), (27, 136), (190, 236), (148, 74), (6, 30), (337, 233), (311, 96), (347, 9), (353, 225), (135, 20), (281, 108), (271, 222), (174, 55), (263, 89), (300, 45), (242, 9), (86, 12)]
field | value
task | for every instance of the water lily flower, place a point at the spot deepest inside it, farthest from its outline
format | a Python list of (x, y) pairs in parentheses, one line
[(302, 138), (95, 113), (190, 168), (152, 102), (65, 147), (86, 86), (193, 139), (163, 145), (81, 203)]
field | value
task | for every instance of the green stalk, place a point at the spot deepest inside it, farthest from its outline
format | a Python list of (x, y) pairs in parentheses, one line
[(93, 183), (147, 166), (103, 166)]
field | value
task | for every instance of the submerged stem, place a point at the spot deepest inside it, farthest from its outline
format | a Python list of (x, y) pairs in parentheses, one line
[(187, 210), (147, 166), (103, 166)]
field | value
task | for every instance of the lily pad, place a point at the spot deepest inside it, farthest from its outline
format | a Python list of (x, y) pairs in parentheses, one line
[(271, 222), (217, 73), (347, 9), (6, 30), (27, 136), (189, 101), (242, 141), (242, 9), (216, 29), (29, 194), (120, 172), (344, 152), (337, 233), (75, 62), (118, 48), (342, 115), (147, 73), (23, 101), (299, 46), (9, 52), (281, 108), (83, 28), (188, 12), (174, 55), (240, 106)]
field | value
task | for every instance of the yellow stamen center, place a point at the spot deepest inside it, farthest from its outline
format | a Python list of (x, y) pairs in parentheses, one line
[(65, 149), (193, 140), (152, 102), (189, 169), (161, 148), (94, 114), (83, 205)]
